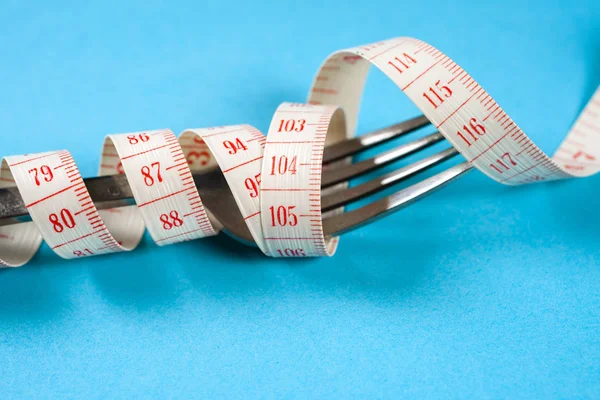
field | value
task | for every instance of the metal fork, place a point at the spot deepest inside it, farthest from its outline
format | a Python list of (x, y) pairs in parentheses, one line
[(107, 191)]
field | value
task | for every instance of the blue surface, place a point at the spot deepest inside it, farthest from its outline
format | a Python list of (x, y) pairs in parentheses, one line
[(481, 291)]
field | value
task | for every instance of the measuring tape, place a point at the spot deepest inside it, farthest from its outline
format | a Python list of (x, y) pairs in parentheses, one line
[(275, 180)]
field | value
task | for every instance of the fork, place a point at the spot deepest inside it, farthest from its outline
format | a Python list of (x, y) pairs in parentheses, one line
[(114, 190)]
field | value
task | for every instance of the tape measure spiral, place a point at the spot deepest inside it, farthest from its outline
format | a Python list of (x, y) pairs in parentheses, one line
[(275, 180)]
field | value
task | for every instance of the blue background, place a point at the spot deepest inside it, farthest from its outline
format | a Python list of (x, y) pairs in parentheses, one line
[(480, 291)]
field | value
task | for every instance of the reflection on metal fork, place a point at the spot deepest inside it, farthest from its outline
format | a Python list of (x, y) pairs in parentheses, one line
[(352, 194), (351, 220), (368, 140), (346, 172)]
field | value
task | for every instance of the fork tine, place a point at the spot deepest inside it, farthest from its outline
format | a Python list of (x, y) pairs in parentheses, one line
[(345, 172), (352, 194), (353, 146), (351, 220)]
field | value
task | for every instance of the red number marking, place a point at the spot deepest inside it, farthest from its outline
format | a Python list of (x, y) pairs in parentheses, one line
[(46, 173), (83, 253), (171, 220), (283, 165), (233, 147), (292, 253), (289, 125), (473, 128), (402, 65), (585, 155), (142, 137), (66, 220), (203, 157), (147, 173), (437, 91), (504, 163), (282, 216), (253, 185)]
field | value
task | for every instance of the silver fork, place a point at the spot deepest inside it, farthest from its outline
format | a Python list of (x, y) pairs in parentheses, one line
[(110, 191)]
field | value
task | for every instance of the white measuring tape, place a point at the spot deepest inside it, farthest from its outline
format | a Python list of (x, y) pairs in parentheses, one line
[(276, 181)]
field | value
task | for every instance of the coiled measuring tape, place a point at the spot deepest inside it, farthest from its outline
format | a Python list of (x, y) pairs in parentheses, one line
[(275, 180)]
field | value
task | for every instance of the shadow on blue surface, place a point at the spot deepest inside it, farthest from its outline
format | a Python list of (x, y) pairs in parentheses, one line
[(143, 280)]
